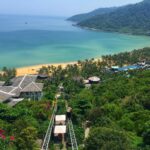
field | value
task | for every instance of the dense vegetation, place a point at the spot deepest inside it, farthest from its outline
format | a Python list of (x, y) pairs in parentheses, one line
[(127, 58), (26, 122), (7, 74), (117, 110), (133, 19), (120, 113)]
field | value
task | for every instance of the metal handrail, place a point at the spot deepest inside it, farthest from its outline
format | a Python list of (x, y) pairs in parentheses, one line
[(49, 131)]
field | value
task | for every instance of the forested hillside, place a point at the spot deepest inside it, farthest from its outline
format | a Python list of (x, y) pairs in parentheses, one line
[(134, 19), (82, 17), (119, 112)]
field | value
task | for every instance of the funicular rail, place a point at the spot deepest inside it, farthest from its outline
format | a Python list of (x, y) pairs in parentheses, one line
[(72, 136), (49, 131)]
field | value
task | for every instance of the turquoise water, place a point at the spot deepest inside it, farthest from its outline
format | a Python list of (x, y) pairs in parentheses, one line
[(27, 40)]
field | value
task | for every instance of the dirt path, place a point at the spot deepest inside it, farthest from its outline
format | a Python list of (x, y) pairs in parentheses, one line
[(87, 131)]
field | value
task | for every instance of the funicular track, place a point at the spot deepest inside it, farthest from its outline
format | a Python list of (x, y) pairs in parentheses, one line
[(49, 130), (47, 138), (72, 136)]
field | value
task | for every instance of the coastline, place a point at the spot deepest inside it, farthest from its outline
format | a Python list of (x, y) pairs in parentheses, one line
[(33, 69), (21, 71), (101, 30)]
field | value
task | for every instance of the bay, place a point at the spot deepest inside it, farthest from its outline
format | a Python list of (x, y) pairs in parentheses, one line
[(32, 40)]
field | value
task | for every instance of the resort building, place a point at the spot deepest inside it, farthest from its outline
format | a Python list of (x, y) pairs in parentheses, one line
[(94, 79), (140, 65), (91, 80), (20, 88), (145, 65), (32, 91)]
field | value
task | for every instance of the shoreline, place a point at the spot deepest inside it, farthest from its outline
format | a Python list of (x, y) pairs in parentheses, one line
[(33, 69), (101, 30)]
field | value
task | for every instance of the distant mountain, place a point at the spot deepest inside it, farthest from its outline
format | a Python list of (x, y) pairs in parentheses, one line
[(133, 19), (82, 17)]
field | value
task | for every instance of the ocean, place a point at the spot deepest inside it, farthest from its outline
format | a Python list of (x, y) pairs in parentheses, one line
[(33, 40)]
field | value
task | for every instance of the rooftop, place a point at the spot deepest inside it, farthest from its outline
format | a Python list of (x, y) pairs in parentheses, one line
[(2, 83), (6, 89), (60, 118), (4, 96), (33, 87), (94, 79), (60, 129), (16, 91), (23, 81)]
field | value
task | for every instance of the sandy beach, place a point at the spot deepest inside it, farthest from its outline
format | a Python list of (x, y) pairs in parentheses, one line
[(34, 69)]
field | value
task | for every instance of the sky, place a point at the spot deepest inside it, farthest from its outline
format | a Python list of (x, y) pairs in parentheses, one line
[(56, 7)]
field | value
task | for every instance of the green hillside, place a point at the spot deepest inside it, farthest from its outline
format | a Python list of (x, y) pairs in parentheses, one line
[(133, 19), (82, 17)]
